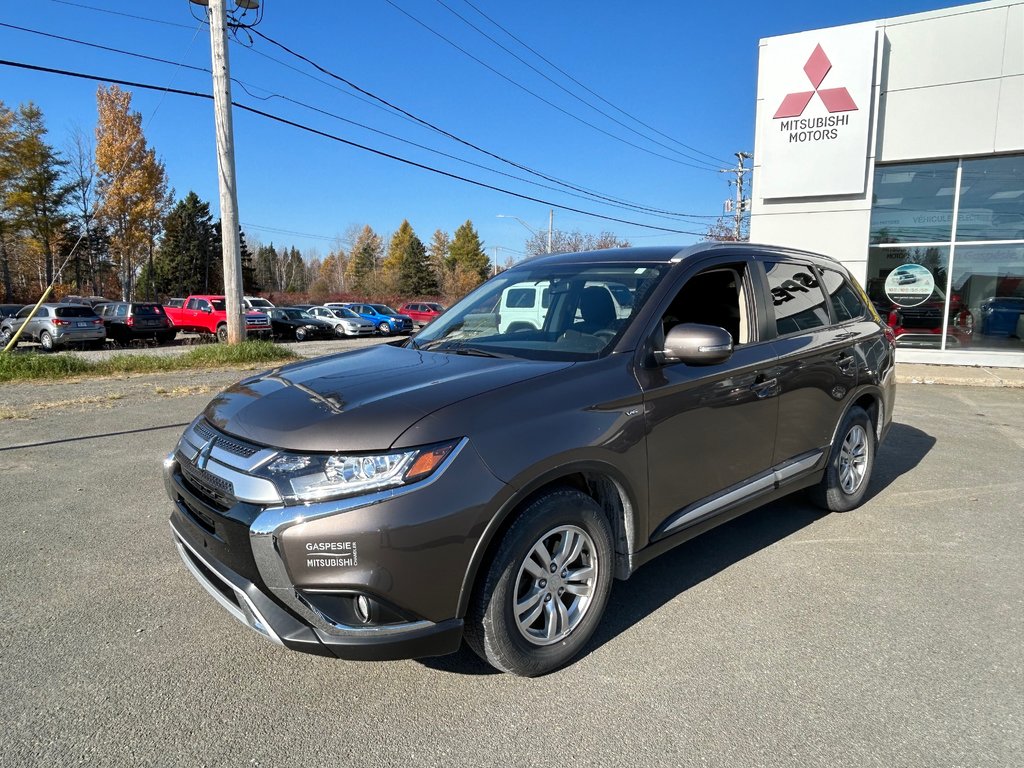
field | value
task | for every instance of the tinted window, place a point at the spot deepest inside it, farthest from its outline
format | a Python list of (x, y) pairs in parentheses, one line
[(74, 311), (23, 312), (797, 297), (147, 309), (846, 302), (218, 304), (521, 298)]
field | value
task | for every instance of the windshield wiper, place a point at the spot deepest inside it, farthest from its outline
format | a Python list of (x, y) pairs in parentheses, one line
[(457, 348)]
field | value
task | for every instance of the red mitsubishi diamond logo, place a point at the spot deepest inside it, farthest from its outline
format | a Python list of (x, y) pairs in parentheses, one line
[(834, 99)]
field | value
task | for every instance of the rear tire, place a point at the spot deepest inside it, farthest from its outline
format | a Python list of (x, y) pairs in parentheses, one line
[(850, 462), (46, 341), (528, 619)]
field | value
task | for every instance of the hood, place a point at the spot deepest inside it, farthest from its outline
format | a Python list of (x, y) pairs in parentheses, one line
[(358, 401)]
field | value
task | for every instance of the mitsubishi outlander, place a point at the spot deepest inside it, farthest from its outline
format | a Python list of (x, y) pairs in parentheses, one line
[(487, 483)]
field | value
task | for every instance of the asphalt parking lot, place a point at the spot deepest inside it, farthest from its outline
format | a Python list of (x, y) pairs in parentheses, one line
[(889, 636)]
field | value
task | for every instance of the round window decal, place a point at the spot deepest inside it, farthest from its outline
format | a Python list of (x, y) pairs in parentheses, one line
[(909, 285)]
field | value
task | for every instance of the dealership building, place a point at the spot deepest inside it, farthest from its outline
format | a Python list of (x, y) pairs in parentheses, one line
[(897, 146)]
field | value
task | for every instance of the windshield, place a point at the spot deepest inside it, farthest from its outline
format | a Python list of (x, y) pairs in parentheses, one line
[(544, 312), (260, 304), (383, 309), (347, 313)]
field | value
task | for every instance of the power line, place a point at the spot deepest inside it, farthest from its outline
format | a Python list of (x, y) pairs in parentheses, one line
[(589, 90), (339, 139), (442, 131), (395, 110), (541, 98), (561, 87), (245, 86), (126, 15)]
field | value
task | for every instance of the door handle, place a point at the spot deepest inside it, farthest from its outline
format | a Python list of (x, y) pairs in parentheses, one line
[(845, 362), (763, 387)]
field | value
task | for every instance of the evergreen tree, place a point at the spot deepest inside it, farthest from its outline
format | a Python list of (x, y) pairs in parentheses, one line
[(249, 282), (398, 248), (365, 255), (467, 252), (39, 197), (437, 256), (415, 278), (189, 257), (298, 278), (8, 174), (266, 268)]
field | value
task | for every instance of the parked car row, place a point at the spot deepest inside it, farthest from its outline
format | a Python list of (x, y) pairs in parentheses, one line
[(92, 320)]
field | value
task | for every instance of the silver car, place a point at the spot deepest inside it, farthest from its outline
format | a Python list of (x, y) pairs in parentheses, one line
[(345, 321), (56, 325)]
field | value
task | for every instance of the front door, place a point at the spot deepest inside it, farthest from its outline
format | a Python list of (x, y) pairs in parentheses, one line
[(711, 429)]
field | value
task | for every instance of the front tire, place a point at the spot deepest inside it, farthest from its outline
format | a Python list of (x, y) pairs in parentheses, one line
[(384, 329), (300, 334), (544, 591), (850, 462), (5, 338), (222, 333)]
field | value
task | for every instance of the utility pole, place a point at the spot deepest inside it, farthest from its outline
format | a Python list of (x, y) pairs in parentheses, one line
[(230, 243), (742, 203)]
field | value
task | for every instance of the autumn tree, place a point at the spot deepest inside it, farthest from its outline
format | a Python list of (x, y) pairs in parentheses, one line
[(466, 253), (39, 195), (331, 276), (563, 241), (132, 185), (364, 259), (724, 230)]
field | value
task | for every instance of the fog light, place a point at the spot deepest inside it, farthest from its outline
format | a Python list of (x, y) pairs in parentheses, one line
[(362, 605)]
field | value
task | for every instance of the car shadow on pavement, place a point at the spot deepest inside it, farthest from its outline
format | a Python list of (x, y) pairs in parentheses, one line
[(689, 564)]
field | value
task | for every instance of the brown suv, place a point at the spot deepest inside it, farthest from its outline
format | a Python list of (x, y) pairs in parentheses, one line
[(490, 485)]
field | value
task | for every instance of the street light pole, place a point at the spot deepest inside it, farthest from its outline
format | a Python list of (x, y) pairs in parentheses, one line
[(534, 232), (230, 242)]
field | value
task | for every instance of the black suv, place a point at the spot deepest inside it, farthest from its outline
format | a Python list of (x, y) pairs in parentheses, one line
[(127, 321), (471, 483)]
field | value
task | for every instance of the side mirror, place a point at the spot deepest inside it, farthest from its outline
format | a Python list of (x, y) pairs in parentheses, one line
[(694, 344), (207, 310)]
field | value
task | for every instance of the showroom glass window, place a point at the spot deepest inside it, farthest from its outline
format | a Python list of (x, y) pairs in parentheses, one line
[(946, 261)]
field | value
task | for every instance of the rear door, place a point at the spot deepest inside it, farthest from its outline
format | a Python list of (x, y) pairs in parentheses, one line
[(817, 366)]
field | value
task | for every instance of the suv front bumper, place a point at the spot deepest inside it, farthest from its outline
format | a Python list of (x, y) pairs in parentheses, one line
[(277, 568)]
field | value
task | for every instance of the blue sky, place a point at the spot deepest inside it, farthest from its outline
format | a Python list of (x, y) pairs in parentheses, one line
[(688, 70)]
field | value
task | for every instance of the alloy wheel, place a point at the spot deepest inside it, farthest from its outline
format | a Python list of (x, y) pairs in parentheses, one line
[(555, 585), (853, 459)]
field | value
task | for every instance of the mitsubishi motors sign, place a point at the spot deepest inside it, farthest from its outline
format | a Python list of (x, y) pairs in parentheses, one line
[(815, 92)]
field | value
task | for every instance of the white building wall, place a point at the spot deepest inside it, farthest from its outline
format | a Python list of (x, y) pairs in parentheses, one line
[(948, 84)]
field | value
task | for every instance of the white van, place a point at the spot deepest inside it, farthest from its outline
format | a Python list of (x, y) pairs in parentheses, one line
[(525, 305)]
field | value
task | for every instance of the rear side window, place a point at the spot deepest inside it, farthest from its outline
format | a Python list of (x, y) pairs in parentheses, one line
[(73, 311), (122, 310), (797, 297), (846, 302), (520, 298)]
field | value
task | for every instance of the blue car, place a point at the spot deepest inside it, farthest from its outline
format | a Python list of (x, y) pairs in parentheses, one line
[(387, 320)]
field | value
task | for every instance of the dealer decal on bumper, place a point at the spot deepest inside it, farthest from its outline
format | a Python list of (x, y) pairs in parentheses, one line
[(331, 554)]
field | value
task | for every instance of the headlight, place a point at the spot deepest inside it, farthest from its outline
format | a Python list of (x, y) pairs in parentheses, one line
[(320, 477)]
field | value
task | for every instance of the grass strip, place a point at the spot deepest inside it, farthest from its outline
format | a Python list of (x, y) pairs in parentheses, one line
[(28, 366)]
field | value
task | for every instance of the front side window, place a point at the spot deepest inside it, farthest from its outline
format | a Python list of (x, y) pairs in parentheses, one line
[(579, 323), (716, 296), (797, 297)]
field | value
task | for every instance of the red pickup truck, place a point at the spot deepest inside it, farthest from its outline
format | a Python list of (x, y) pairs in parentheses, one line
[(207, 314)]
